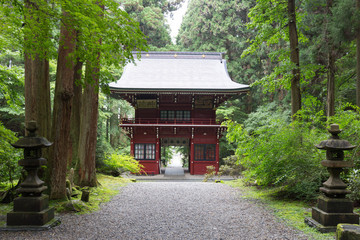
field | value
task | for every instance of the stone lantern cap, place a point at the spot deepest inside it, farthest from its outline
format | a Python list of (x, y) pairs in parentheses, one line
[(32, 141), (335, 143)]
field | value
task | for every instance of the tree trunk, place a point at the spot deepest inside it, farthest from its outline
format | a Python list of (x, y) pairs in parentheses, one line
[(85, 169), (37, 85), (75, 116), (86, 166), (331, 82), (358, 60), (37, 93), (249, 102), (294, 57), (64, 92), (330, 101)]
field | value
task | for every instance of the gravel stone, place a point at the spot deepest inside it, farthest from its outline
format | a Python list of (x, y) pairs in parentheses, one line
[(170, 210)]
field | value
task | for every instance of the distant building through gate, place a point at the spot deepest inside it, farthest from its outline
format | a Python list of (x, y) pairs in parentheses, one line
[(175, 96)]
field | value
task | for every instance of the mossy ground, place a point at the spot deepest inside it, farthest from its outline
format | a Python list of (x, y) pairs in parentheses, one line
[(291, 212), (108, 187)]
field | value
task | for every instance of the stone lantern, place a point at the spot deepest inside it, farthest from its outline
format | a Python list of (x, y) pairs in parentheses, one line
[(31, 209), (333, 207)]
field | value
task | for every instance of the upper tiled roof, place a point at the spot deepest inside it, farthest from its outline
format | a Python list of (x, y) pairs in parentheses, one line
[(177, 71)]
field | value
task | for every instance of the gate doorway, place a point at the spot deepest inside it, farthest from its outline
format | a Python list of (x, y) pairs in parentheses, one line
[(175, 153)]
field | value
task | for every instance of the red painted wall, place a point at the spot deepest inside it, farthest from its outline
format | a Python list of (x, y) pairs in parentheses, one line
[(200, 136)]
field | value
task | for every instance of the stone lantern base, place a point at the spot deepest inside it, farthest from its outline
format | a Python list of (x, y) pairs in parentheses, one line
[(30, 211), (330, 212)]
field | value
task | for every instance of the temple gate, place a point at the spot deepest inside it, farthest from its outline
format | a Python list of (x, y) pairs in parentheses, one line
[(175, 96)]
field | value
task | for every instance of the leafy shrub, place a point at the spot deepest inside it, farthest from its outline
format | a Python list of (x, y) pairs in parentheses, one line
[(276, 152), (231, 167), (9, 156), (115, 165), (353, 180), (210, 173)]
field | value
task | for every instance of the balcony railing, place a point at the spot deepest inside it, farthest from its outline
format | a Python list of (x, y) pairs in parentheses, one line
[(158, 121)]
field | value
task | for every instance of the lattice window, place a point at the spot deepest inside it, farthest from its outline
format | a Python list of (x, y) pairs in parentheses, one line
[(205, 152), (171, 115), (186, 115), (163, 115), (145, 151), (150, 151), (139, 151), (179, 115)]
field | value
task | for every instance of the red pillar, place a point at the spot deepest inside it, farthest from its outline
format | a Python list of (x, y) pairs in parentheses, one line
[(157, 155), (191, 160), (217, 155), (132, 151)]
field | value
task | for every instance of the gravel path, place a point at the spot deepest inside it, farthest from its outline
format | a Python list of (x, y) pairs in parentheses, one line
[(170, 210)]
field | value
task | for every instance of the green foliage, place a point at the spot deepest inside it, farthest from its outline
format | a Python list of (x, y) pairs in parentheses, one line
[(348, 118), (11, 85), (210, 173), (9, 157), (276, 152), (111, 139), (353, 180), (150, 15), (185, 152), (231, 167), (35, 29), (12, 98), (231, 110), (166, 155), (344, 21), (115, 165)]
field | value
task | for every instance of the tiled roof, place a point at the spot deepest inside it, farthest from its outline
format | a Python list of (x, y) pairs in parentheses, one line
[(177, 71)]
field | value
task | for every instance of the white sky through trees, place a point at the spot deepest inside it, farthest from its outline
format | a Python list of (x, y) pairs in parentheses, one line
[(176, 20)]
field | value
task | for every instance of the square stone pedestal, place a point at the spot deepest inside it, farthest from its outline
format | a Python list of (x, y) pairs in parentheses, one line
[(330, 212), (30, 211)]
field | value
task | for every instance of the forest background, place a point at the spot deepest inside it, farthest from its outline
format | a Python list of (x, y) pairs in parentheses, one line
[(301, 59)]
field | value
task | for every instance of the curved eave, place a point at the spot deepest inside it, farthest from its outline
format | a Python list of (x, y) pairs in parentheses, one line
[(181, 91)]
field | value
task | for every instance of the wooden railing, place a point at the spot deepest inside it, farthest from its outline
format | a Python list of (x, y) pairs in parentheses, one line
[(194, 121)]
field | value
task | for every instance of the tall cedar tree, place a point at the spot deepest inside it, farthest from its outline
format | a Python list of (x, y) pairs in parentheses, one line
[(75, 115), (294, 57), (330, 102), (64, 92), (85, 167), (37, 85)]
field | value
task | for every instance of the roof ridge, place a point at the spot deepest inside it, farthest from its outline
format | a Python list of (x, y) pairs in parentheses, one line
[(181, 55)]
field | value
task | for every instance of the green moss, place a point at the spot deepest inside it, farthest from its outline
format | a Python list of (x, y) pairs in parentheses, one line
[(108, 187), (291, 212), (4, 209)]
